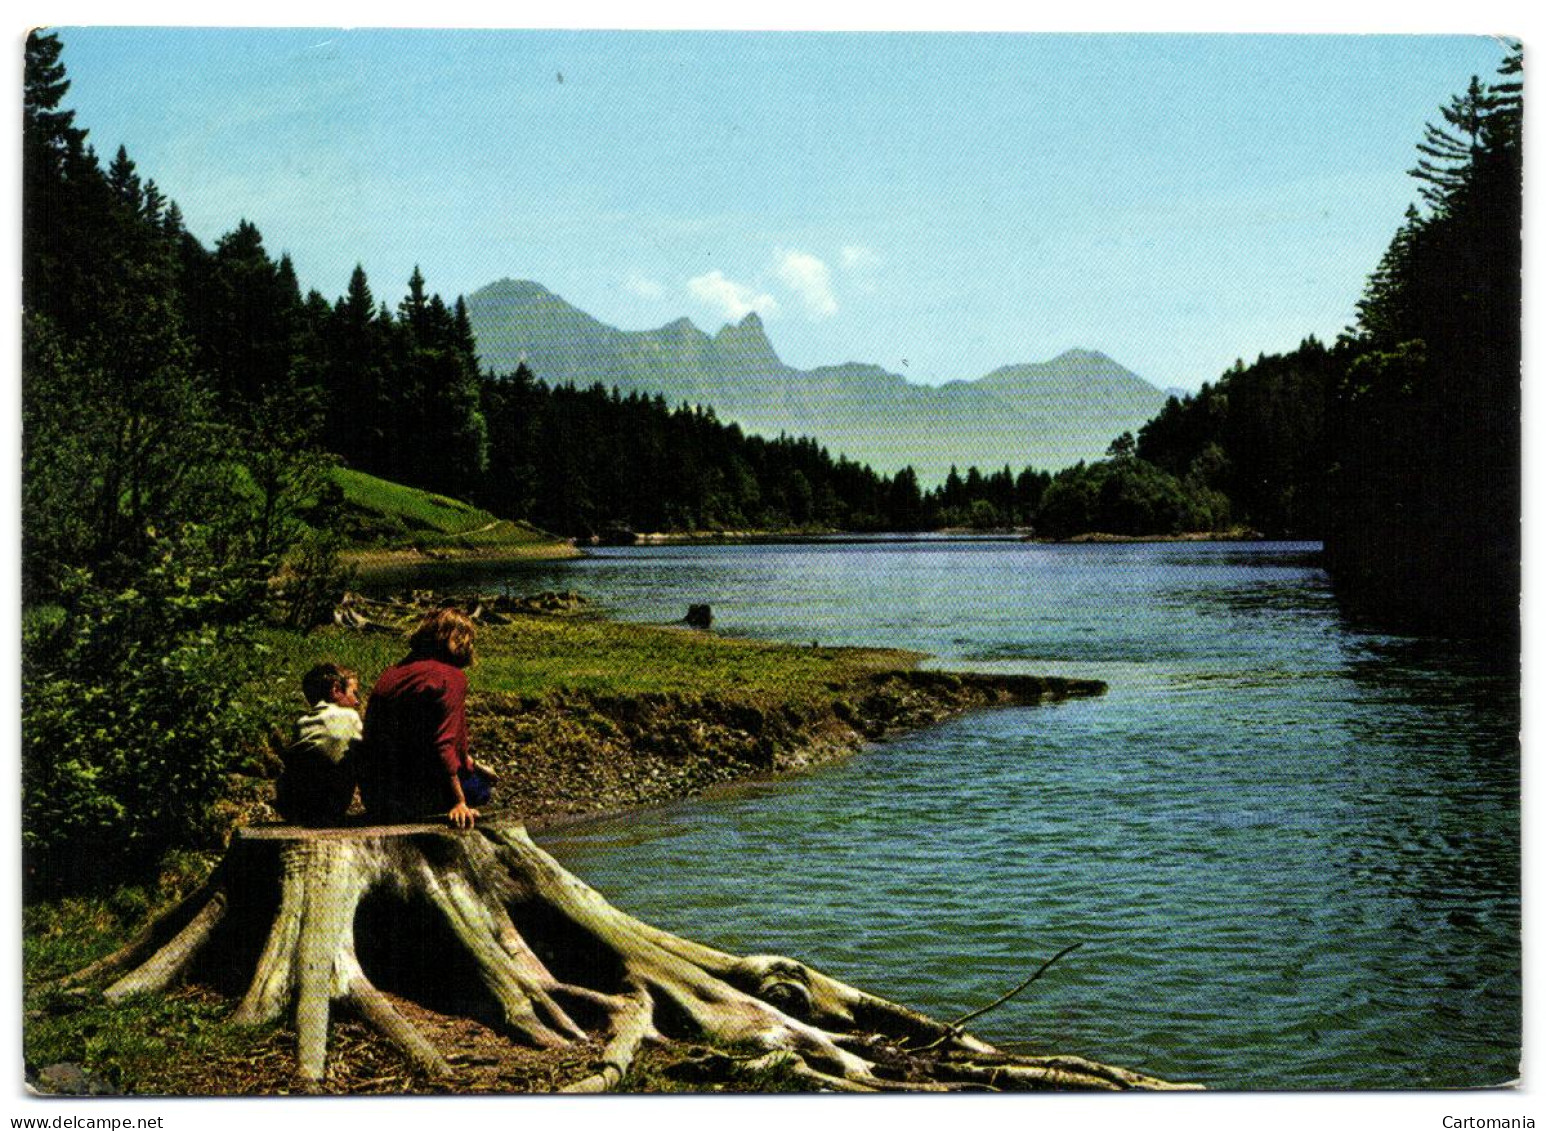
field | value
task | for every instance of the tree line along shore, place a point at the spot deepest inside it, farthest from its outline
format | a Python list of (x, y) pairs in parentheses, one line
[(211, 366)]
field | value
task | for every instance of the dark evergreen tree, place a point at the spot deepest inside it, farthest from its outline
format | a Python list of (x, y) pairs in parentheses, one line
[(1424, 433), (450, 431), (357, 414), (124, 180), (1257, 436), (512, 409), (1450, 150), (54, 165), (1030, 485), (247, 322)]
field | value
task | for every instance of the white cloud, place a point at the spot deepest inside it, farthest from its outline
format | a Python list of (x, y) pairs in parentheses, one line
[(643, 286), (734, 300), (857, 257), (809, 278)]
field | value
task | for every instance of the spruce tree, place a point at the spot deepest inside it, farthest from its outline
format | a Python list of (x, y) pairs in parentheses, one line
[(1433, 368)]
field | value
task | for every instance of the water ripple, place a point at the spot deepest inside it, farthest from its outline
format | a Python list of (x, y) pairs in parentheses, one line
[(1291, 851)]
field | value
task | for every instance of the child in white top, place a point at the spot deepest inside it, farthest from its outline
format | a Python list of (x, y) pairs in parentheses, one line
[(317, 785)]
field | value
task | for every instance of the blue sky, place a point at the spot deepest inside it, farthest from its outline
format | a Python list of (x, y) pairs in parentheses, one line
[(941, 204)]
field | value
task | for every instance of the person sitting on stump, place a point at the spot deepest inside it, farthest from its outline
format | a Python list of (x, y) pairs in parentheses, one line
[(317, 785), (414, 761)]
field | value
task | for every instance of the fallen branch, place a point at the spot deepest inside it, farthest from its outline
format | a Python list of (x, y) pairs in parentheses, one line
[(1042, 969), (956, 1025)]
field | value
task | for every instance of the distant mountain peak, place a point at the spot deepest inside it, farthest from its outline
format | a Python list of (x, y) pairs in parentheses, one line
[(747, 341), (750, 326), (1081, 365), (1048, 413), (509, 286)]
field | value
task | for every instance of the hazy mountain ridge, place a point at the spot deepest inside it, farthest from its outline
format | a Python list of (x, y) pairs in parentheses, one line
[(1048, 414)]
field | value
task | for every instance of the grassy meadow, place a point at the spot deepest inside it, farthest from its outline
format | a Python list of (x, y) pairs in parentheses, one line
[(381, 517)]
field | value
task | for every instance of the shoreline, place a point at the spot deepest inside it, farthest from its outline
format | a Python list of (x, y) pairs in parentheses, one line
[(406, 564), (411, 561), (576, 756), (579, 714), (1101, 539), (584, 719), (995, 534)]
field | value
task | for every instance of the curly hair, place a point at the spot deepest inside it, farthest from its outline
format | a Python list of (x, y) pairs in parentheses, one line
[(445, 634)]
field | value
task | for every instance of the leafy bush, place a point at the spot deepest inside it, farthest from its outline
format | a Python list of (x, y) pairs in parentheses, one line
[(309, 585), (132, 718)]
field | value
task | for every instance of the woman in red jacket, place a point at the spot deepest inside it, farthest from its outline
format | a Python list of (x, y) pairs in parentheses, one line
[(414, 761)]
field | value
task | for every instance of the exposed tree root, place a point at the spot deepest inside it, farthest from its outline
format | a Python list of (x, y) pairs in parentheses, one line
[(485, 923)]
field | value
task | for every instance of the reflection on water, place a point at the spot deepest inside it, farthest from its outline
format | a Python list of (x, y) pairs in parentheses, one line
[(1291, 850)]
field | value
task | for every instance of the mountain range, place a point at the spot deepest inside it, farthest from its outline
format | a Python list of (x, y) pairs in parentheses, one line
[(1044, 414)]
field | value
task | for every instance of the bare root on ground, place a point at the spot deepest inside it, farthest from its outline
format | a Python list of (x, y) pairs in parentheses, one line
[(484, 923)]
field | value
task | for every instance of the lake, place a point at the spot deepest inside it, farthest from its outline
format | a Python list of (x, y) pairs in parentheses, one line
[(1289, 848)]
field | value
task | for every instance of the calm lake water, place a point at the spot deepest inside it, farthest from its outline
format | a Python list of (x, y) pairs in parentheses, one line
[(1290, 849)]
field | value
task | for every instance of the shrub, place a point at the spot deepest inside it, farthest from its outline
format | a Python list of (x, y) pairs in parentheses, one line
[(311, 582), (132, 717)]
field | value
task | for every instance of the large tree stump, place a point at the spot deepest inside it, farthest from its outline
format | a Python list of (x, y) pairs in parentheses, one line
[(309, 919)]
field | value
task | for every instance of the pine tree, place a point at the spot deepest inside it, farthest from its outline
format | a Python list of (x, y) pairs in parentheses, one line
[(248, 322), (154, 204), (56, 174), (125, 181), (411, 311), (464, 339), (356, 415), (55, 143), (1449, 151), (1433, 368)]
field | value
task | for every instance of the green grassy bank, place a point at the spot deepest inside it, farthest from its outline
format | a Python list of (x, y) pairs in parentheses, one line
[(395, 529), (580, 716)]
